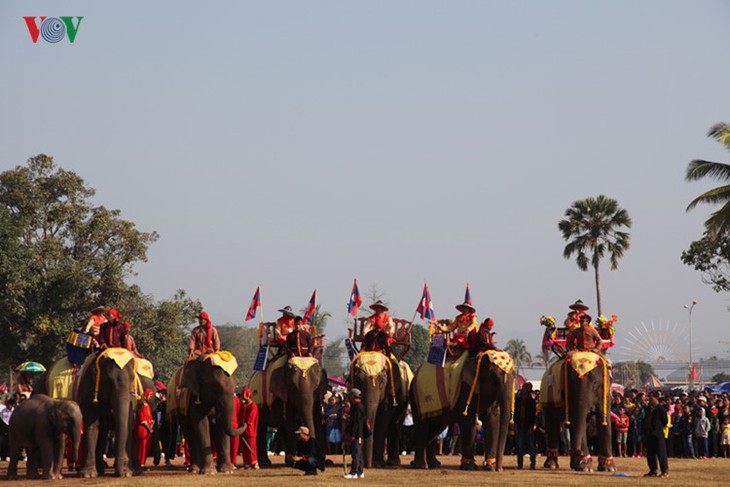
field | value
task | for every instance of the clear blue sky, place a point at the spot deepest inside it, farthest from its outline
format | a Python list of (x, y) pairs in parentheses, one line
[(301, 144)]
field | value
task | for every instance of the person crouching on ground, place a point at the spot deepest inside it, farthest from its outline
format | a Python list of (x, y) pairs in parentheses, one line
[(310, 459)]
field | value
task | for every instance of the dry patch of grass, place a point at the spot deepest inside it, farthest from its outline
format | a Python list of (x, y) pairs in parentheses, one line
[(682, 473)]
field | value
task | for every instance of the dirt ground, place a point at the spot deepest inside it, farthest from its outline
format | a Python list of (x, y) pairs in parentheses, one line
[(682, 473)]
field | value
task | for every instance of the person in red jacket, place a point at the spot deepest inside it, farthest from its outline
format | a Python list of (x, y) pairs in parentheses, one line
[(143, 427), (235, 440), (249, 419), (622, 430)]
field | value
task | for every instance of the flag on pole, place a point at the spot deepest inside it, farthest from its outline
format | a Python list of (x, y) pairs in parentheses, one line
[(467, 296), (255, 303), (425, 306), (355, 300), (693, 372), (310, 309)]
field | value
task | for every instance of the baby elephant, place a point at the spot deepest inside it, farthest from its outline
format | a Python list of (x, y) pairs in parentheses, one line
[(40, 425)]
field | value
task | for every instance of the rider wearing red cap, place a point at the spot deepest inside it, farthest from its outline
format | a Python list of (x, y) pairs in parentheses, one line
[(111, 332), (203, 339)]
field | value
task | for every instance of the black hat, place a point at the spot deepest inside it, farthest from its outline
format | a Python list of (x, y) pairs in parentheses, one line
[(287, 311), (578, 306), (378, 305), (465, 307)]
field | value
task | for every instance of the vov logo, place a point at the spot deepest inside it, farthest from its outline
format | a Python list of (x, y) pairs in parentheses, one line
[(53, 29)]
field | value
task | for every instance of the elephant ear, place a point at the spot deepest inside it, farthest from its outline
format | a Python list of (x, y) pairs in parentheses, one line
[(191, 376), (468, 373), (56, 417), (279, 384)]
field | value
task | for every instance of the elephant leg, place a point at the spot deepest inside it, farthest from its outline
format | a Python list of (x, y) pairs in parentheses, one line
[(394, 435), (490, 421), (262, 450), (45, 452), (122, 431), (223, 446), (202, 430), (32, 462), (605, 456), (431, 449), (580, 458), (553, 419), (376, 443), (91, 437), (59, 448), (467, 425), (15, 450), (420, 441)]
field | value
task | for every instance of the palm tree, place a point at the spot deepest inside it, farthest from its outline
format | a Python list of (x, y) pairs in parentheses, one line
[(517, 348), (542, 359), (719, 222), (591, 227)]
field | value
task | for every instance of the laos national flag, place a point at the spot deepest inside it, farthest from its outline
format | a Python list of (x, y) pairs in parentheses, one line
[(355, 300), (310, 309), (467, 295), (425, 306), (255, 303)]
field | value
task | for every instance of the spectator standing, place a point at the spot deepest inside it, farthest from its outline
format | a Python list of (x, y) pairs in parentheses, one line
[(249, 418), (654, 424), (725, 439), (702, 430), (333, 412), (525, 413), (622, 430), (407, 431), (686, 429), (358, 430)]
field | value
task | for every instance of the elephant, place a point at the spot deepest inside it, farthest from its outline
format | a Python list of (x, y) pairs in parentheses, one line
[(481, 386), (208, 386), (106, 390), (40, 424), (384, 384), (581, 381), (290, 394)]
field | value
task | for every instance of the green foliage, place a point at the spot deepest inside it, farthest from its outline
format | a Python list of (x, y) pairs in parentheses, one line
[(720, 378), (521, 356), (718, 225), (242, 342), (334, 351), (710, 256), (420, 344), (65, 257), (591, 229)]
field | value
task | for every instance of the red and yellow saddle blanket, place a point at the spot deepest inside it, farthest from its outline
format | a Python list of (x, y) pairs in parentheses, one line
[(436, 389)]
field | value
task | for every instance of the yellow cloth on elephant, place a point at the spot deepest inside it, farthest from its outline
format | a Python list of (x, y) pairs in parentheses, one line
[(120, 356), (178, 397), (224, 360), (303, 363), (583, 362), (371, 363), (406, 374), (501, 359), (144, 368), (61, 380), (260, 380), (436, 389), (551, 387)]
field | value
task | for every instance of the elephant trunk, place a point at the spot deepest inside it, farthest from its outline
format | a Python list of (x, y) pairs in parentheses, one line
[(227, 410), (307, 411)]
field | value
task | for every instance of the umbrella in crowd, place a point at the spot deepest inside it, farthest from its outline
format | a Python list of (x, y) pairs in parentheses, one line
[(652, 382), (30, 367)]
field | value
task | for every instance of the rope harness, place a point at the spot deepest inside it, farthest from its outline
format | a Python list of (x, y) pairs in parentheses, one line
[(373, 377)]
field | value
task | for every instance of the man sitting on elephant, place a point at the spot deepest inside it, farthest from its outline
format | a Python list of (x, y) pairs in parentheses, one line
[(378, 330), (484, 339), (464, 326), (585, 338), (299, 341), (110, 333), (283, 326), (203, 339)]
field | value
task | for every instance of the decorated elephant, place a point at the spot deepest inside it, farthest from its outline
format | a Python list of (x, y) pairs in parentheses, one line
[(201, 394), (106, 389), (384, 384), (459, 392), (40, 424), (289, 394), (575, 389)]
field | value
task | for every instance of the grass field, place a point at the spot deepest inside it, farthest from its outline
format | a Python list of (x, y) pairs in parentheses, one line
[(682, 473)]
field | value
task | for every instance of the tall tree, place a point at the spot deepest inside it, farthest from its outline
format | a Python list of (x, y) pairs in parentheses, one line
[(80, 255), (591, 228), (521, 356), (418, 353), (242, 342), (718, 225), (710, 256)]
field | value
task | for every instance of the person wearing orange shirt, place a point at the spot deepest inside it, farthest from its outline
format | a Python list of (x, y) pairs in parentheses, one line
[(464, 326), (284, 325), (378, 329), (585, 338), (203, 339)]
